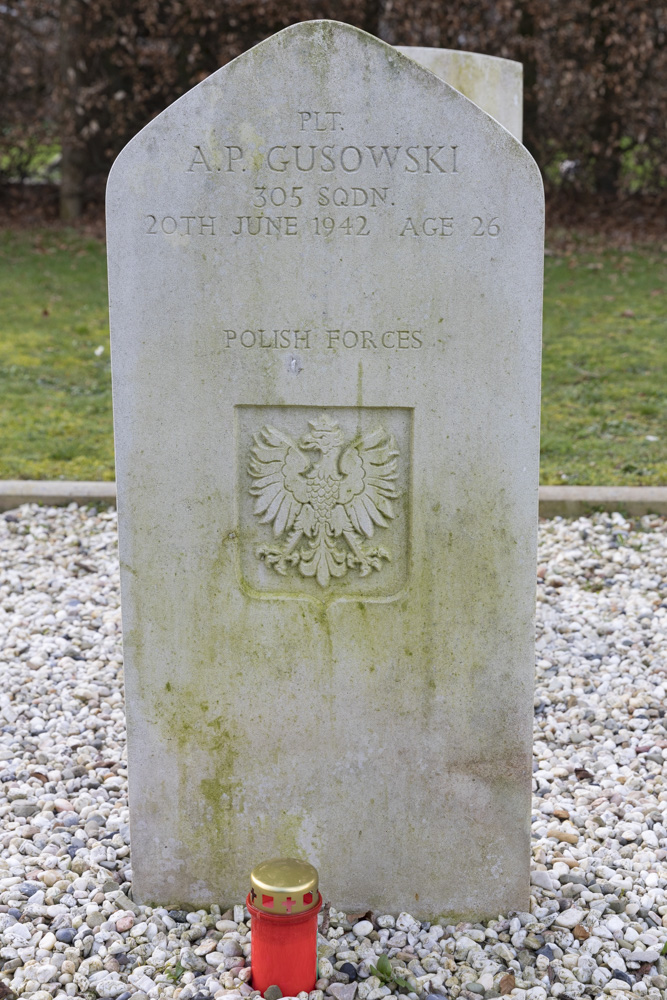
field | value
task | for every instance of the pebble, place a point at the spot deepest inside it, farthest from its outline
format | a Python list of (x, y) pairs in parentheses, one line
[(569, 918), (342, 991), (125, 923), (597, 920), (362, 929)]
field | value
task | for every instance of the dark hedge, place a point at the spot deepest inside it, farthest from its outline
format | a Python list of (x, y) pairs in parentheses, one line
[(89, 73)]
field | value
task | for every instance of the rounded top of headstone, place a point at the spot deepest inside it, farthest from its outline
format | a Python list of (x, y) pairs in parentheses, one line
[(283, 886), (254, 94)]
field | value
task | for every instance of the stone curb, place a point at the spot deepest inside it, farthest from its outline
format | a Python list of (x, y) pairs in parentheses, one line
[(575, 501), (53, 493), (564, 501)]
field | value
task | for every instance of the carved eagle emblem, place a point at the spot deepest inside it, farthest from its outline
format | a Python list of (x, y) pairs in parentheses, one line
[(325, 497)]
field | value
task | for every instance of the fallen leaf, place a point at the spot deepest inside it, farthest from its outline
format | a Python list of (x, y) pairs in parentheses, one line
[(87, 567), (571, 862), (507, 984), (326, 917)]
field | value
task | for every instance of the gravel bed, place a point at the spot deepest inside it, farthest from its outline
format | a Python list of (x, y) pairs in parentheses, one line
[(598, 914)]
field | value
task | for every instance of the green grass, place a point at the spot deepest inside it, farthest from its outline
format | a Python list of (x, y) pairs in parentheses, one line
[(604, 370), (55, 391)]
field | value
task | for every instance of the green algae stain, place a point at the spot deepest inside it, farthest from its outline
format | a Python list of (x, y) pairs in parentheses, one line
[(287, 831), (221, 793), (207, 803)]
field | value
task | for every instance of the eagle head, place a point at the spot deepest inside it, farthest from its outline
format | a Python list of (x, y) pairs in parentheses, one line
[(325, 436)]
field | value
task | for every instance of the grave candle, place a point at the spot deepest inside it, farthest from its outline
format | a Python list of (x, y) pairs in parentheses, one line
[(283, 903)]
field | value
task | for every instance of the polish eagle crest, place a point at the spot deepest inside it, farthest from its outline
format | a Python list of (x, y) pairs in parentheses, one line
[(324, 498)]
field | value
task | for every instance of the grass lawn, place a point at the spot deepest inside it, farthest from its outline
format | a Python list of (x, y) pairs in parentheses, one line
[(604, 413), (55, 376), (604, 367)]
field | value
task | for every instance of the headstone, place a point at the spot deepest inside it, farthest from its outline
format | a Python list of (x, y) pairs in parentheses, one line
[(494, 84), (325, 273)]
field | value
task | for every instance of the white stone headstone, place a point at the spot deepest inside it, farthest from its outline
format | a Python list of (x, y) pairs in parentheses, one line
[(325, 273), (494, 84)]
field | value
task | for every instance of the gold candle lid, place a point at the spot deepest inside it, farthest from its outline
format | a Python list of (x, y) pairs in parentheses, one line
[(284, 885)]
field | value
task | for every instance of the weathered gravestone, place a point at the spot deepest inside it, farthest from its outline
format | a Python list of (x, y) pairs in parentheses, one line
[(325, 273)]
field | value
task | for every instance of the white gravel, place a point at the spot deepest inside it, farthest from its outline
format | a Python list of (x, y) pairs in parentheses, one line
[(598, 917)]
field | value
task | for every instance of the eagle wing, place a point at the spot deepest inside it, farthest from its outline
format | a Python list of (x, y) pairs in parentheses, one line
[(277, 465), (369, 466)]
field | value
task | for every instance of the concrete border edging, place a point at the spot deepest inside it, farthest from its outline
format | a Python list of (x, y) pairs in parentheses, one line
[(555, 501), (576, 501), (54, 493)]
